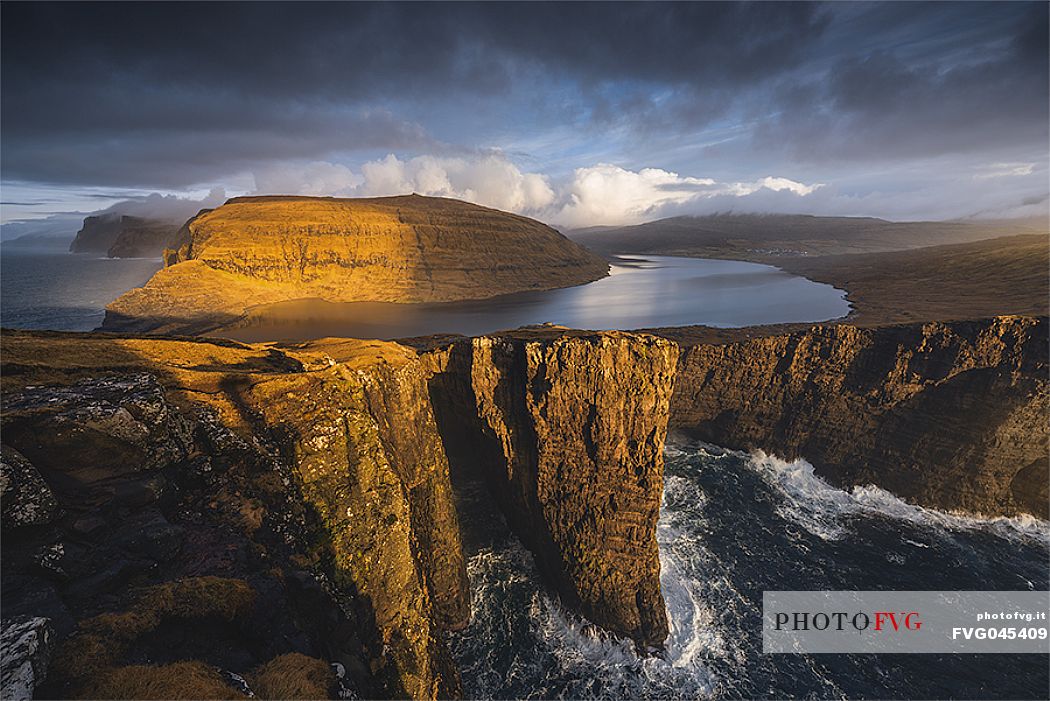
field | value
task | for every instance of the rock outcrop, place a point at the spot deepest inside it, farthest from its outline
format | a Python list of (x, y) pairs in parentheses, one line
[(124, 236), (568, 433), (93, 439), (25, 652), (334, 476), (97, 234), (25, 498), (261, 250), (947, 415), (142, 238), (255, 502), (365, 449), (277, 507)]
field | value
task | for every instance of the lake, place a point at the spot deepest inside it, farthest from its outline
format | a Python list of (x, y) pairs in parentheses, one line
[(641, 292)]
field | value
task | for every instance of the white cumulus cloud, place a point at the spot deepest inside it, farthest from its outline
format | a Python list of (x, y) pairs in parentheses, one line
[(601, 194), (609, 195), (1005, 170), (315, 178), (489, 180)]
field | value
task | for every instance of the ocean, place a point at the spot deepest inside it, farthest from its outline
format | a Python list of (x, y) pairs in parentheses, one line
[(48, 288), (732, 525)]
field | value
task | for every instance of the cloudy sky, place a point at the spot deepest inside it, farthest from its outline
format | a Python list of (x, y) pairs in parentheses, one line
[(578, 114)]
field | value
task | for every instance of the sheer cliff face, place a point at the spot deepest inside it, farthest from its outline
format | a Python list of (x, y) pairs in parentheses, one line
[(278, 469), (262, 250), (142, 238), (298, 499), (370, 463), (568, 434), (123, 236), (97, 234), (951, 415), (313, 481)]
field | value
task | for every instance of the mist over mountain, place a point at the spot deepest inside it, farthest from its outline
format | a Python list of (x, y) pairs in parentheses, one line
[(63, 227)]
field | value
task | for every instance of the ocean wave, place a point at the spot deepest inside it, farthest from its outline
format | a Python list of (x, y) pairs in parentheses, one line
[(717, 553), (822, 509), (552, 651), (583, 650)]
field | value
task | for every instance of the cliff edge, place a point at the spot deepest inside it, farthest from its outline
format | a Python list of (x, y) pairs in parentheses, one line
[(946, 415), (219, 509), (568, 434)]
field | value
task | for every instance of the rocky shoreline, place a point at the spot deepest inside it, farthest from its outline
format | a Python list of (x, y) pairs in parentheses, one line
[(203, 517)]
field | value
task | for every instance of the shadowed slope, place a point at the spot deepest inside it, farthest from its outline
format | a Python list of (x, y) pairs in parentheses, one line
[(760, 236), (962, 281)]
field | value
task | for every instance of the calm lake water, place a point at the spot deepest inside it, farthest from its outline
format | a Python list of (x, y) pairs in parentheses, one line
[(48, 288), (641, 292)]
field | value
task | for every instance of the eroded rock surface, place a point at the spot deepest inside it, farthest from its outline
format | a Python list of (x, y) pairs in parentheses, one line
[(312, 481), (123, 236), (949, 415), (295, 500), (92, 438), (25, 652), (315, 490), (25, 497), (569, 433), (142, 238), (370, 465)]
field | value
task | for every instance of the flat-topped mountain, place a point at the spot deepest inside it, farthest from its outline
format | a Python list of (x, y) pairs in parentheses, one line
[(262, 250)]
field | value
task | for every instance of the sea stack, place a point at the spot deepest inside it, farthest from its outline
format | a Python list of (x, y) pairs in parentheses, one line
[(263, 250)]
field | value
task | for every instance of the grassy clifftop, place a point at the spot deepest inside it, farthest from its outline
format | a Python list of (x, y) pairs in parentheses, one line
[(261, 250)]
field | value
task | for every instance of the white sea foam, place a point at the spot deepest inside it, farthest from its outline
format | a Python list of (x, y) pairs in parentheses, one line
[(682, 669), (522, 641), (577, 658), (694, 634), (821, 509)]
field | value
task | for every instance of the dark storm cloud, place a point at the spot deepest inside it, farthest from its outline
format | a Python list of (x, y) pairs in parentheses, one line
[(353, 49), (878, 105), (167, 95)]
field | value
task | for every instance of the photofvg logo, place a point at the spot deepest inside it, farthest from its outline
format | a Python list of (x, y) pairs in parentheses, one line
[(842, 620), (905, 621)]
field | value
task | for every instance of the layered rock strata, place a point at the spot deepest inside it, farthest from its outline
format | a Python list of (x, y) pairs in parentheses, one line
[(948, 415), (25, 652), (318, 490), (142, 238), (568, 433), (277, 507), (97, 234), (262, 250), (300, 496)]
